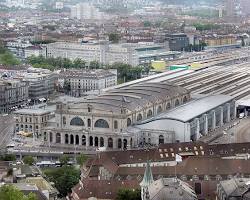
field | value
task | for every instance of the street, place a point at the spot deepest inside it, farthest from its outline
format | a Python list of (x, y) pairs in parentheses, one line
[(239, 133), (6, 130)]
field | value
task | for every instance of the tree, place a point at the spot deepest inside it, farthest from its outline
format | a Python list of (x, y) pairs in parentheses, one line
[(28, 160), (128, 194), (81, 159), (64, 178), (8, 58), (64, 159), (8, 157), (94, 65), (9, 192), (114, 37)]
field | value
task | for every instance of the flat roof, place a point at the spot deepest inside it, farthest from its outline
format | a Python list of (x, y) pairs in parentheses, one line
[(195, 108), (36, 111)]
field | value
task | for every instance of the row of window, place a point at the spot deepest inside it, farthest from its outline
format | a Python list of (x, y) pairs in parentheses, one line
[(93, 141)]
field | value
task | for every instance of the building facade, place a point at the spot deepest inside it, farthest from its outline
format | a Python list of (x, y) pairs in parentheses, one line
[(77, 82), (133, 54), (13, 95), (41, 84), (109, 119), (32, 120)]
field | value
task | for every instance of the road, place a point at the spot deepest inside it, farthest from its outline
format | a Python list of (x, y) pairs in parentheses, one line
[(6, 130), (238, 133)]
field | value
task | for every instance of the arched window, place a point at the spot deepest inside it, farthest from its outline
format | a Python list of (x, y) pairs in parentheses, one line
[(66, 139), (64, 120), (125, 143), (115, 124), (185, 99), (51, 137), (58, 138), (161, 139), (168, 106), (89, 122), (119, 143), (129, 122), (101, 142), (77, 139), (131, 142), (45, 136), (77, 121), (139, 117), (150, 113), (177, 102), (101, 123), (159, 109), (110, 143), (96, 141), (84, 140), (90, 141), (71, 139)]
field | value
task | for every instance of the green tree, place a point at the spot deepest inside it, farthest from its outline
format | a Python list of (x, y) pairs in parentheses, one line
[(128, 194), (81, 159), (94, 65), (78, 63), (64, 178), (146, 23), (9, 192), (8, 58), (8, 157), (28, 160), (64, 159), (114, 37)]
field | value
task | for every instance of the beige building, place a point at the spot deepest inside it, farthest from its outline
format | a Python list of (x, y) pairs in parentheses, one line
[(32, 120), (108, 120)]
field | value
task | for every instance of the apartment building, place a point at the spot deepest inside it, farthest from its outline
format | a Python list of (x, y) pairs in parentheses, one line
[(13, 94), (78, 82)]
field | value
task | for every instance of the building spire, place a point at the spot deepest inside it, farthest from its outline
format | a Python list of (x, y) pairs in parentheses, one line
[(148, 176)]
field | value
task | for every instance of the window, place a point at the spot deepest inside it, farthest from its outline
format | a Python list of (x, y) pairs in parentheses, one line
[(129, 122), (115, 124), (101, 142), (84, 140), (159, 109), (150, 113), (101, 123), (64, 120), (139, 117), (77, 139), (77, 121), (168, 106), (89, 122), (66, 139), (197, 187), (177, 102), (58, 138), (110, 143), (185, 99), (161, 139)]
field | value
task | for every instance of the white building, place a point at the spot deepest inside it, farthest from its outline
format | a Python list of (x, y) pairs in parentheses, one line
[(86, 11), (133, 54), (78, 82)]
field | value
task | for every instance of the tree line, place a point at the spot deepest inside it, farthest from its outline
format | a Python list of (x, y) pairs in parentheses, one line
[(6, 57), (125, 72)]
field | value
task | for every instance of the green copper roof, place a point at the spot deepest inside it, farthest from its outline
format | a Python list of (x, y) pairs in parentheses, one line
[(148, 176)]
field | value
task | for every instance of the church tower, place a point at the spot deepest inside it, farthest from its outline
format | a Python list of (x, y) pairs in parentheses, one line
[(147, 180)]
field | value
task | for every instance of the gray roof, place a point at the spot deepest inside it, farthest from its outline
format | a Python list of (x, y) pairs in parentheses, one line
[(235, 186), (132, 97), (195, 108), (170, 188), (36, 111)]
